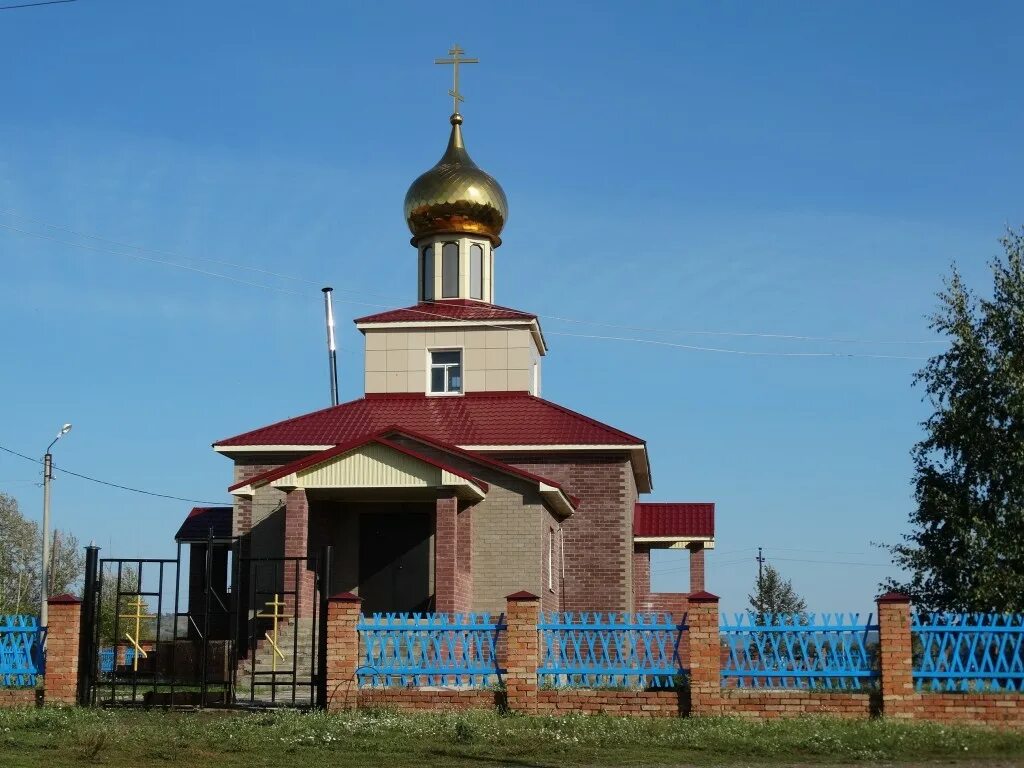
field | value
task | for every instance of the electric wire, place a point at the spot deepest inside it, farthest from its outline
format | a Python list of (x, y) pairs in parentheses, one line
[(114, 485), (33, 5), (426, 313)]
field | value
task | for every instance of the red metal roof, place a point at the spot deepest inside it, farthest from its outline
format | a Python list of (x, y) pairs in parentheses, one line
[(474, 419), (199, 522), (450, 309), (686, 520)]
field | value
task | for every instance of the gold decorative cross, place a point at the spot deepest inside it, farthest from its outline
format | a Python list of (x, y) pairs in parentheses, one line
[(456, 59), (275, 614), (139, 617)]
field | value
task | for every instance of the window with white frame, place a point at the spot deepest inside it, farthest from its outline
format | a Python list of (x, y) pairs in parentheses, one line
[(446, 372), (551, 559)]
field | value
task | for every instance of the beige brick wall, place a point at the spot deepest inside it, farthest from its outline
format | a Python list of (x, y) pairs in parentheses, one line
[(493, 360)]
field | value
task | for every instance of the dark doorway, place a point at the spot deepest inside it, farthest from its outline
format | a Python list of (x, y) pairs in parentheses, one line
[(394, 561)]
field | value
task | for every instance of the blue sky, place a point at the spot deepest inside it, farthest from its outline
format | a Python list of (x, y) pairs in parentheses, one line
[(804, 168)]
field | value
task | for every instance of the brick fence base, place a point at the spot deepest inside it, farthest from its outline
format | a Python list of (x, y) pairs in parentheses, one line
[(11, 698)]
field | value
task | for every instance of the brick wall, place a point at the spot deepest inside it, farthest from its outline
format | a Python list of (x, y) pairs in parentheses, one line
[(598, 702), (11, 698), (62, 649), (416, 700), (599, 535), (769, 705)]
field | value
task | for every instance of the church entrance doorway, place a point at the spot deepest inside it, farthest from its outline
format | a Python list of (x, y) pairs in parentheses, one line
[(394, 561)]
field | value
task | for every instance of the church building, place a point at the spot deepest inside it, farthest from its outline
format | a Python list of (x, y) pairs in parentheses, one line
[(452, 482)]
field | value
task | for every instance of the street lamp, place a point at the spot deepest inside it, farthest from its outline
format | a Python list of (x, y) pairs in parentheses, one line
[(44, 585)]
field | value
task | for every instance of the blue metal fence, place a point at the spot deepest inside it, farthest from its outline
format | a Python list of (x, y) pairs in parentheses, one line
[(108, 657), (20, 651), (968, 652), (435, 649), (590, 650), (832, 651)]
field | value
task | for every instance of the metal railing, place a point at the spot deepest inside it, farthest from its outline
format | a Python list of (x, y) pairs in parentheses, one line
[(20, 651), (968, 652)]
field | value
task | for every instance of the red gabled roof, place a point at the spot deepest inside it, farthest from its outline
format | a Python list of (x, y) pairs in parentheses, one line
[(449, 309), (200, 520), (663, 519), (474, 419), (319, 458)]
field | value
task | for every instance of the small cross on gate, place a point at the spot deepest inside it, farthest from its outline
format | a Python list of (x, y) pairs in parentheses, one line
[(456, 59)]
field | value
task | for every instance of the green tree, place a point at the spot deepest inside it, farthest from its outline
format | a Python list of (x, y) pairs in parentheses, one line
[(965, 551), (20, 548), (774, 594)]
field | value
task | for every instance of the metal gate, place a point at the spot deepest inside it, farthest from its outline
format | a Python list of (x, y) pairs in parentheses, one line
[(225, 632)]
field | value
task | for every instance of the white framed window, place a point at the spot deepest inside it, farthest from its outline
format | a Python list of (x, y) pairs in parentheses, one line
[(450, 271), (446, 372)]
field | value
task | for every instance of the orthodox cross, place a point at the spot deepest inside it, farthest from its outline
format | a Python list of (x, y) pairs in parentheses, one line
[(456, 59), (139, 617), (276, 613)]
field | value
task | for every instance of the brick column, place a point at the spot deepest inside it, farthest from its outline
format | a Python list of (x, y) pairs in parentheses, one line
[(522, 656), (896, 656), (446, 551), (705, 655), (296, 544), (696, 566), (342, 651), (60, 683), (464, 560)]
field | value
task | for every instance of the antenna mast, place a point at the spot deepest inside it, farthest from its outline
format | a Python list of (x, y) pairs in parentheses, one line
[(332, 352)]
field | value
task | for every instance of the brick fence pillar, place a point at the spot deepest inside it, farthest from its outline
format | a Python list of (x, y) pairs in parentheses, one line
[(296, 544), (60, 682), (342, 651), (522, 655), (704, 655), (895, 655), (446, 553)]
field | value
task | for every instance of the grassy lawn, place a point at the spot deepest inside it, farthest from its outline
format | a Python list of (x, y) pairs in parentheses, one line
[(53, 738)]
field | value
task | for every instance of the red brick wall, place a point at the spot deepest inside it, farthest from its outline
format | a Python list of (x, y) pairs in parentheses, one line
[(998, 709), (11, 698), (599, 535), (597, 702), (413, 699), (446, 544), (342, 651), (464, 560), (62, 637), (769, 705), (296, 544)]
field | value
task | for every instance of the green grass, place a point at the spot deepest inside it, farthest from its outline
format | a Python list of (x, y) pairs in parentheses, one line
[(53, 738)]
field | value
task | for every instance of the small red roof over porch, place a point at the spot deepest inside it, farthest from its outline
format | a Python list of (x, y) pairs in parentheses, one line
[(674, 520)]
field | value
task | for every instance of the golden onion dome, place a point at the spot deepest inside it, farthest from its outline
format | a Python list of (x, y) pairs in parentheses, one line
[(456, 196)]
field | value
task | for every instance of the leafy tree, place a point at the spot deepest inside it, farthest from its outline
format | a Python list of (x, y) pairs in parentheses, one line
[(965, 551), (773, 594), (20, 548)]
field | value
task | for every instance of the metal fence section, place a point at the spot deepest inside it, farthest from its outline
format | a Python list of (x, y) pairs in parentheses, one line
[(435, 649), (830, 651), (599, 650), (20, 651), (968, 652)]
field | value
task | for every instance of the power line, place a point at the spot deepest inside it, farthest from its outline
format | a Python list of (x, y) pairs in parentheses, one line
[(33, 5), (115, 485), (280, 275)]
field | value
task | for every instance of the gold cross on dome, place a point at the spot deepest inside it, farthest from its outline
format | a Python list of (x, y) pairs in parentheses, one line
[(456, 59)]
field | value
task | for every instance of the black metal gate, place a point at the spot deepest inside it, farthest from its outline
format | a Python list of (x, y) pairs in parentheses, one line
[(282, 634), (156, 635)]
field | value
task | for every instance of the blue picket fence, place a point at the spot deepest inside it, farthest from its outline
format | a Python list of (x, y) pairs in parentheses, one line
[(108, 657), (20, 651), (831, 651), (433, 649), (968, 652), (593, 650)]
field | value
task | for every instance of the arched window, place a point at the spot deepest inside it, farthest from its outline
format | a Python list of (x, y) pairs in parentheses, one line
[(476, 271), (428, 273), (450, 271)]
